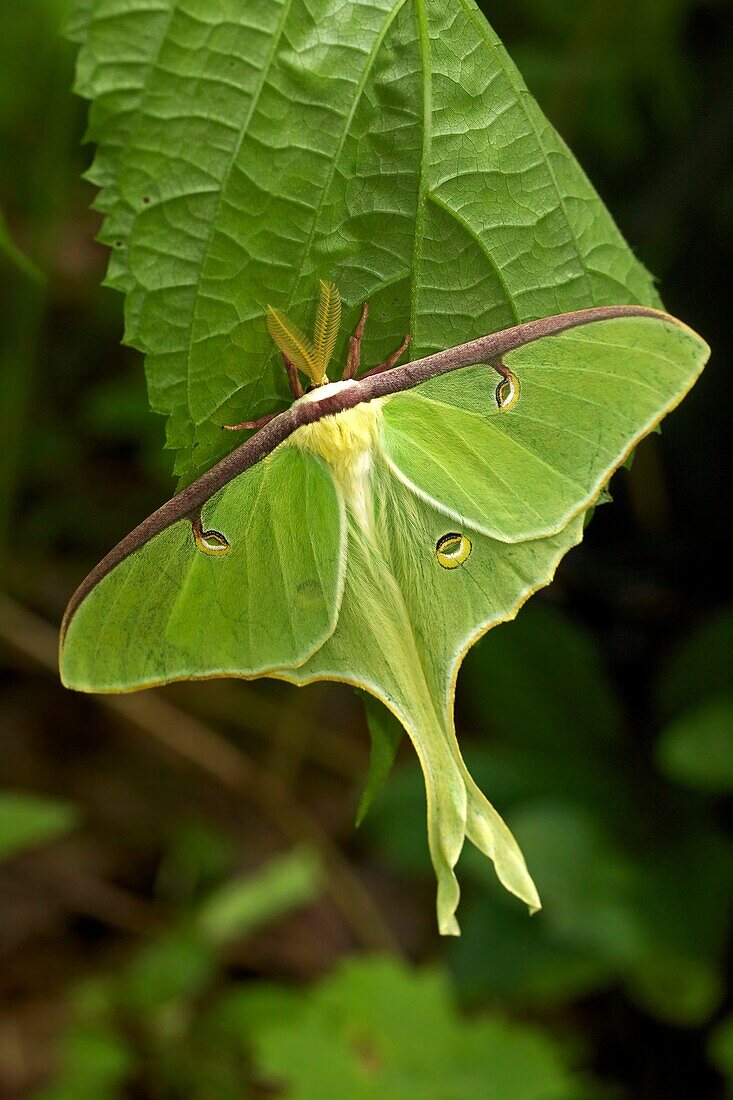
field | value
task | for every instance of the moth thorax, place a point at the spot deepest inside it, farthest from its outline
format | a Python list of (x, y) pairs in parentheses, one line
[(346, 441)]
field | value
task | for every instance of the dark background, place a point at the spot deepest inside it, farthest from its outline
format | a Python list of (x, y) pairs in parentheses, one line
[(600, 723)]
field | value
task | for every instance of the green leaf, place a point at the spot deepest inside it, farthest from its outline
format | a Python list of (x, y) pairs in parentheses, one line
[(377, 1030), (396, 824), (75, 23), (177, 965), (10, 251), (701, 667), (655, 921), (95, 1062), (501, 954), (197, 857), (389, 146), (683, 899), (720, 1050), (249, 1007), (587, 880), (542, 680), (386, 733), (538, 684), (28, 820), (169, 970), (697, 748), (241, 905)]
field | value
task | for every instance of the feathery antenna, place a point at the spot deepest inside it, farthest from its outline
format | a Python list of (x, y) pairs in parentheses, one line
[(310, 356), (328, 323), (294, 344)]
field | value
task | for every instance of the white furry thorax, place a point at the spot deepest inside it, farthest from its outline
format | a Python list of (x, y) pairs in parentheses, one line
[(346, 442)]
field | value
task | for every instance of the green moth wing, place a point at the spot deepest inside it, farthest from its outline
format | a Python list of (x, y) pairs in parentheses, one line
[(261, 589), (584, 398), (467, 508), (408, 616), (372, 532)]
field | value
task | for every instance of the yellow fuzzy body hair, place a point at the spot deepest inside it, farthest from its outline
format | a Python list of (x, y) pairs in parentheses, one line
[(346, 442)]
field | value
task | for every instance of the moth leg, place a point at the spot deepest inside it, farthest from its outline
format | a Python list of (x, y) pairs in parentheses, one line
[(353, 359), (390, 362), (500, 368), (295, 388), (293, 380), (249, 424)]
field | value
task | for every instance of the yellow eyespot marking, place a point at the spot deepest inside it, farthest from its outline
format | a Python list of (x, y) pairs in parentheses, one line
[(507, 392), (452, 549), (212, 543)]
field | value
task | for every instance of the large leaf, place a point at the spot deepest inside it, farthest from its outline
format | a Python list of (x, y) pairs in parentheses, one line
[(376, 1030), (388, 145)]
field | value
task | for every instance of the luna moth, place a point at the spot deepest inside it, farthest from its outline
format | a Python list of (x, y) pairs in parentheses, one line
[(373, 531)]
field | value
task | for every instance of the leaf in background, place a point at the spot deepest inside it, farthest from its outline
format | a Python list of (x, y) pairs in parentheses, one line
[(542, 680), (386, 733), (376, 1030), (697, 748), (197, 857), (169, 970), (701, 666), (500, 955), (683, 897), (28, 820), (10, 251), (537, 685), (95, 1061), (720, 1050), (179, 963), (653, 919), (586, 878), (395, 825), (387, 145), (239, 906), (249, 1006)]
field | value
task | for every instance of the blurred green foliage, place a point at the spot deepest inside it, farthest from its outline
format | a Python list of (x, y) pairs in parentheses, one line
[(697, 748), (141, 954), (373, 1029), (150, 1019), (29, 819), (377, 1031), (721, 1051)]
